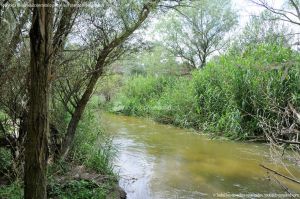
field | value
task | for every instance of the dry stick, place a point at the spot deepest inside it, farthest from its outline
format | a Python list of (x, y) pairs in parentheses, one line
[(275, 172), (283, 186), (288, 142)]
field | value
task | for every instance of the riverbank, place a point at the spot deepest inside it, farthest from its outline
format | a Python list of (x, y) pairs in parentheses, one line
[(251, 96), (87, 172), (70, 181)]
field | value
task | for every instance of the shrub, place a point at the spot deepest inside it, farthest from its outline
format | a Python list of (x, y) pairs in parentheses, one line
[(5, 161), (176, 105)]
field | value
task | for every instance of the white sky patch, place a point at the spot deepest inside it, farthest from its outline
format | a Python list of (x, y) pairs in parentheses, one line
[(244, 8)]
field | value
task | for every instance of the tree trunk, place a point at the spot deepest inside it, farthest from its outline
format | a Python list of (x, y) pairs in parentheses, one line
[(203, 62), (36, 147), (72, 126)]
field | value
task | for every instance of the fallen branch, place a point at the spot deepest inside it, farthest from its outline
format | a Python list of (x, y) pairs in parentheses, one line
[(287, 141), (279, 174), (297, 115)]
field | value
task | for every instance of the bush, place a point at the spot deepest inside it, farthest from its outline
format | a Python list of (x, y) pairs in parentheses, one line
[(176, 105), (6, 160), (234, 93)]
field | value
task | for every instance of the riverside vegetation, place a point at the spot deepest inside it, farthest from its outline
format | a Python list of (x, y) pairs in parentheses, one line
[(86, 173), (237, 95), (51, 58), (190, 69)]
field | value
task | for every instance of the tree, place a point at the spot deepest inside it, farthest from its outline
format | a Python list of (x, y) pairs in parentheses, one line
[(155, 60), (36, 148), (108, 31), (290, 12), (110, 27), (43, 47), (259, 31), (199, 31)]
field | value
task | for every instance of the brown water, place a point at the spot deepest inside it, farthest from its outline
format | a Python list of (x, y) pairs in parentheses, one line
[(160, 161)]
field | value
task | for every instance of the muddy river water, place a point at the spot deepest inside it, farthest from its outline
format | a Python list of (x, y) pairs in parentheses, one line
[(164, 162)]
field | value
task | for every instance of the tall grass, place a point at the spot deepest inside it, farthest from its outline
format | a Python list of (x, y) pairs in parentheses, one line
[(139, 93), (229, 97), (92, 147)]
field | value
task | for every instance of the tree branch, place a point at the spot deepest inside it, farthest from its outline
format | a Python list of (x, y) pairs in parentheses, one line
[(279, 174)]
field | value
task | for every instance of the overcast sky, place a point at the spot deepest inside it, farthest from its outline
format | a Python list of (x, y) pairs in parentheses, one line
[(246, 8)]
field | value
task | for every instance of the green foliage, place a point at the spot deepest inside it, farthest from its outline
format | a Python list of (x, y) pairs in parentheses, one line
[(12, 191), (176, 104), (92, 147), (107, 88), (139, 92), (231, 96), (77, 189), (153, 61), (5, 161)]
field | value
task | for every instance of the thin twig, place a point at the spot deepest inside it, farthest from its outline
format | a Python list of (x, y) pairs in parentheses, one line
[(279, 174)]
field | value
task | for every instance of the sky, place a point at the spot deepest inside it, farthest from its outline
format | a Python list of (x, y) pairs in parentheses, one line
[(247, 8)]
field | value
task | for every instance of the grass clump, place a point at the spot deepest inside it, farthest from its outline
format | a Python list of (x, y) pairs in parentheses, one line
[(78, 189), (92, 147)]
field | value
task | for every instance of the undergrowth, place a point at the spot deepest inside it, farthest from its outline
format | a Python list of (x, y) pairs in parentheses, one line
[(92, 150)]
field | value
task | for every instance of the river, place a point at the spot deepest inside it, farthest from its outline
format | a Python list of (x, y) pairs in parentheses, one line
[(157, 161)]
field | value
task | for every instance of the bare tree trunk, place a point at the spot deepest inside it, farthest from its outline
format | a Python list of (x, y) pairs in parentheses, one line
[(203, 62), (36, 147)]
